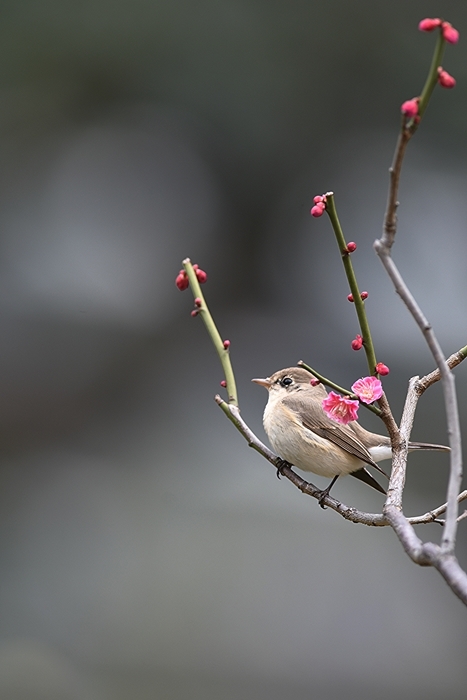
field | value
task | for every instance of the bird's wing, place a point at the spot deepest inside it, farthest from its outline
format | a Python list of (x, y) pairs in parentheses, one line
[(314, 418)]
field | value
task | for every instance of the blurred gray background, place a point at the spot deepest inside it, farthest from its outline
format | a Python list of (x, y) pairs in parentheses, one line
[(145, 551)]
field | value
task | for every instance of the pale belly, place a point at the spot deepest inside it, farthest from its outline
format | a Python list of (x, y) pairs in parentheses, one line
[(308, 451)]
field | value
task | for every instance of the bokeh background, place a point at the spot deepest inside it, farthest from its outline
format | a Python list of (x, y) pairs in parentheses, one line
[(145, 551)]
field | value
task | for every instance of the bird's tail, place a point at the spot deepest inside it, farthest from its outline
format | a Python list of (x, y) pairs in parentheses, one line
[(428, 446)]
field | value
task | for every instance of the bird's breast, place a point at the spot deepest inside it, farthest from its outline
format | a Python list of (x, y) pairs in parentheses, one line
[(302, 447)]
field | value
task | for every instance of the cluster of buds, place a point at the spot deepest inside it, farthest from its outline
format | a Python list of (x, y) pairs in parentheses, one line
[(363, 296), (450, 34), (319, 206), (198, 305), (182, 281), (445, 79)]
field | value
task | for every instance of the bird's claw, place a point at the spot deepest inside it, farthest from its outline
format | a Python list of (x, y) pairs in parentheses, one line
[(280, 464), (324, 494)]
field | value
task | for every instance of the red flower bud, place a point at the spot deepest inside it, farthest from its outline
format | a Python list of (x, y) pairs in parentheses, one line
[(201, 275), (195, 312), (445, 80), (357, 342), (364, 295), (319, 198), (382, 369), (318, 209), (350, 297), (314, 382), (427, 25), (351, 247), (410, 107), (226, 344), (182, 281), (198, 302), (450, 34), (223, 383), (195, 267)]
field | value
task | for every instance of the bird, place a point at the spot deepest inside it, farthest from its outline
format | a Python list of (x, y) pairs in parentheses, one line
[(303, 435)]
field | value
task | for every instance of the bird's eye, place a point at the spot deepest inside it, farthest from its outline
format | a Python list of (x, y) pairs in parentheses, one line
[(286, 381)]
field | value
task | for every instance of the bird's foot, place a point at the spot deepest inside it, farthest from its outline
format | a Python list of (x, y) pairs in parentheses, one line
[(280, 464), (325, 493), (322, 497)]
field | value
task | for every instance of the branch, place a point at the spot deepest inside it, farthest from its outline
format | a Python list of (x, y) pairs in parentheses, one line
[(441, 557), (450, 398), (348, 513)]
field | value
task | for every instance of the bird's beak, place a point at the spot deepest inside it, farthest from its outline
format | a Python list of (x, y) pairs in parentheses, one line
[(264, 382)]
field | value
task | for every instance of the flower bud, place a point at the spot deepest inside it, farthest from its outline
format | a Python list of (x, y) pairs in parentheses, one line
[(410, 107), (450, 34), (223, 383), (201, 275), (357, 342), (350, 297), (314, 382), (364, 295), (445, 80), (182, 281), (198, 302), (319, 198), (351, 247), (226, 344), (427, 24), (318, 209), (194, 313), (382, 369)]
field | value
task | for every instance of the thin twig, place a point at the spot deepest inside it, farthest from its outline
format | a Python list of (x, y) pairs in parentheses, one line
[(455, 359), (442, 558), (450, 398), (332, 385)]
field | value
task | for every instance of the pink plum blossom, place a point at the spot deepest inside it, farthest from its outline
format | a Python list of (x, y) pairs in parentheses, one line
[(339, 408), (368, 389)]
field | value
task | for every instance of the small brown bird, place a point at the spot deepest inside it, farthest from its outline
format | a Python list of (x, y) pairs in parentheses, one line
[(301, 433)]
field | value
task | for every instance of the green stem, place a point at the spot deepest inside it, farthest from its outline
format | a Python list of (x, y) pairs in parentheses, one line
[(349, 271), (410, 126), (336, 387), (211, 328), (432, 77)]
